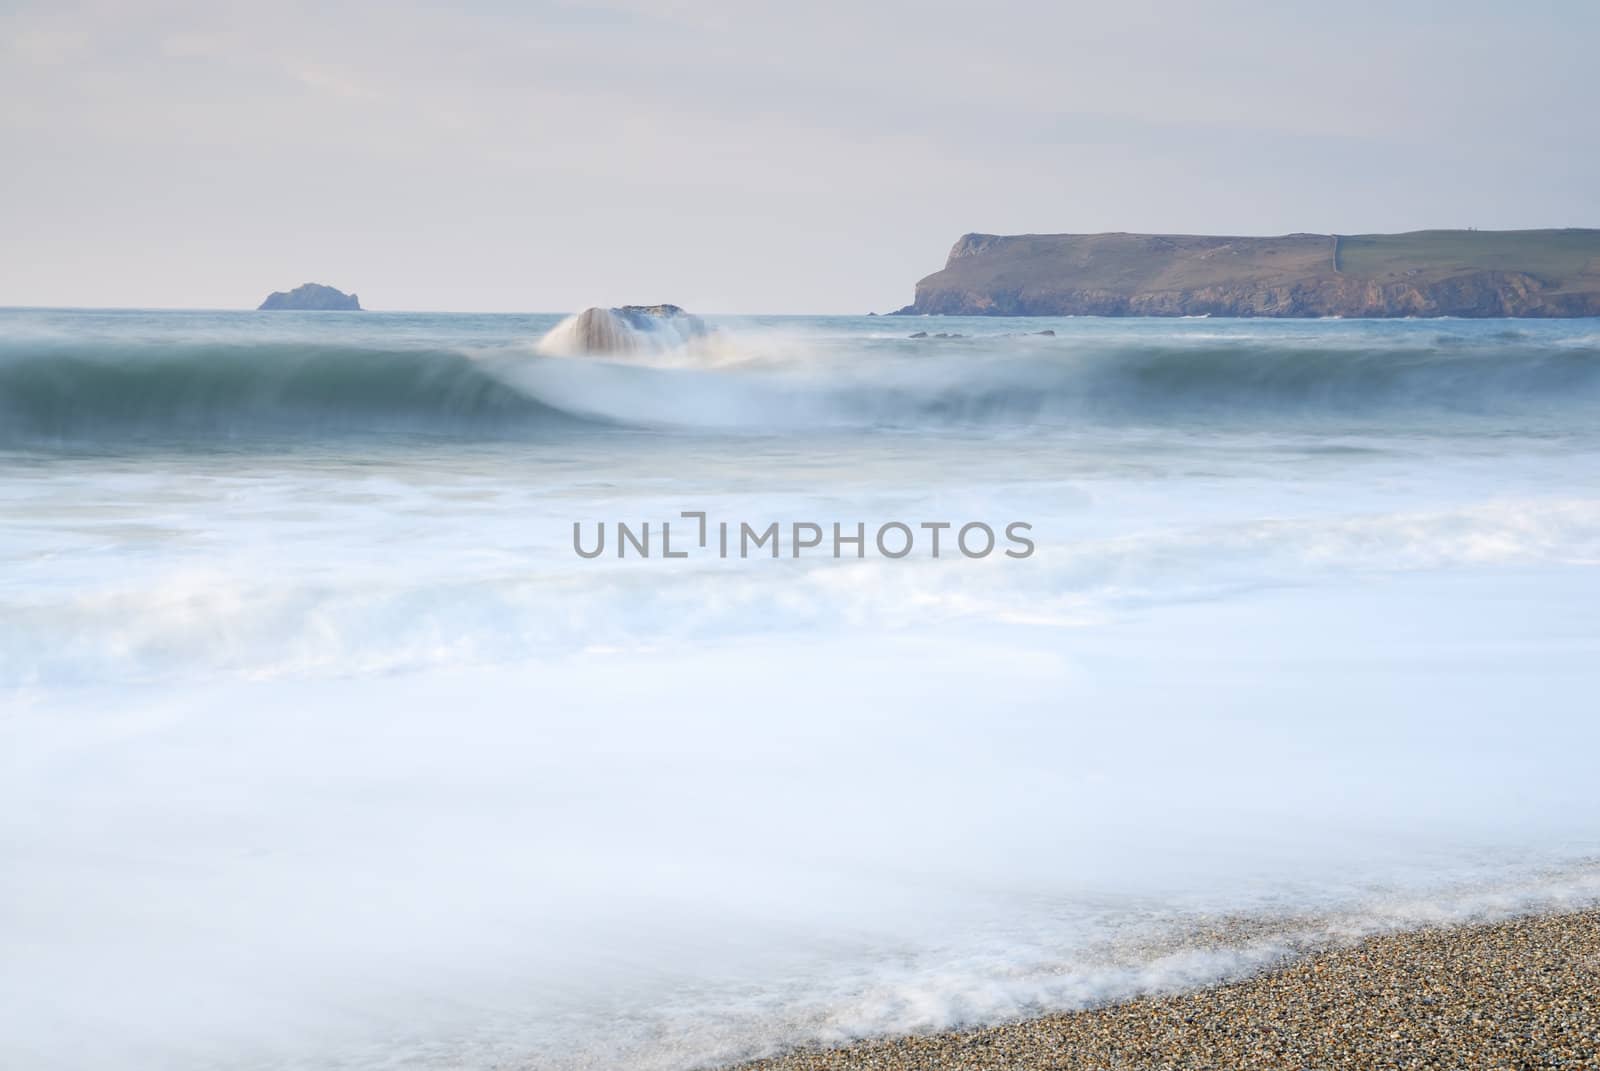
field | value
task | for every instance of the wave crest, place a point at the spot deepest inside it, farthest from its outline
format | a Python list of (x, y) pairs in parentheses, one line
[(66, 391), (71, 392)]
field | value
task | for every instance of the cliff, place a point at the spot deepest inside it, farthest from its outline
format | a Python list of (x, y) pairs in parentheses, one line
[(1423, 273), (313, 297)]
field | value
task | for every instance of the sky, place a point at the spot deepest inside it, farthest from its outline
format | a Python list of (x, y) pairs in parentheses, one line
[(740, 156)]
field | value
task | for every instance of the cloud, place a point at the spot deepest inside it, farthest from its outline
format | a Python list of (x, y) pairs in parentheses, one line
[(768, 155), (336, 82)]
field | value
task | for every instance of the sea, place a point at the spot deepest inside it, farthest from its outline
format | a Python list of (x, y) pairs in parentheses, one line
[(329, 739)]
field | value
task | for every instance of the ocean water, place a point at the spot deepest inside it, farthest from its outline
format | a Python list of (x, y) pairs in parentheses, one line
[(320, 747)]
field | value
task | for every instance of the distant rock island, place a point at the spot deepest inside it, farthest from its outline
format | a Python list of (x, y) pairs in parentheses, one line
[(1421, 273), (313, 297)]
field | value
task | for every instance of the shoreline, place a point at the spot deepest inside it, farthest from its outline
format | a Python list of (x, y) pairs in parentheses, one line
[(1519, 993)]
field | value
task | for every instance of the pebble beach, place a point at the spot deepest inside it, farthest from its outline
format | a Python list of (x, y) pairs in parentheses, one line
[(1518, 995)]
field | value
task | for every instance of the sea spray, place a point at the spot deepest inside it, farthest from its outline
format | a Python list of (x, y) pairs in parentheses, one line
[(627, 330)]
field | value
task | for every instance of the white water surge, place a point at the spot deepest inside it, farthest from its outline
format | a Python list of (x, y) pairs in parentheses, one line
[(323, 749), (631, 329)]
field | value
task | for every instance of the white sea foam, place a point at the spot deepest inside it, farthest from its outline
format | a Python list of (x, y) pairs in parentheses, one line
[(321, 748), (666, 858), (628, 332)]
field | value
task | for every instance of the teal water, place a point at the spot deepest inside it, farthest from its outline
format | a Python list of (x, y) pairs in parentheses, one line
[(75, 379)]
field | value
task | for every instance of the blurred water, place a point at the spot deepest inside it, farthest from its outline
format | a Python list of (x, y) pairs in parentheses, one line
[(324, 749)]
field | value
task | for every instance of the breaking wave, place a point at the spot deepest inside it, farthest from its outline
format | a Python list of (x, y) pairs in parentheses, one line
[(657, 329), (226, 391), (97, 390)]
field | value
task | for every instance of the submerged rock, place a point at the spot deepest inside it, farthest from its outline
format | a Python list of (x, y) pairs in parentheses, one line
[(626, 329), (312, 297)]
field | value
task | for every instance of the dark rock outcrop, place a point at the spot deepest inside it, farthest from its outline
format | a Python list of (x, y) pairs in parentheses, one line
[(650, 316), (312, 297), (626, 329), (1425, 273)]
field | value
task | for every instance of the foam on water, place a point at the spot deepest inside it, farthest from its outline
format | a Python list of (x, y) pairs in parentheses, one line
[(207, 379), (321, 748), (652, 330)]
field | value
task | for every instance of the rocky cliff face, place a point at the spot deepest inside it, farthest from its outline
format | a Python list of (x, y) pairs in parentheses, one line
[(1479, 294), (1301, 275), (313, 297)]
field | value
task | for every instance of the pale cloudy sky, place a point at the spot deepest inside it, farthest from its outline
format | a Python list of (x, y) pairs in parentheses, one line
[(747, 156)]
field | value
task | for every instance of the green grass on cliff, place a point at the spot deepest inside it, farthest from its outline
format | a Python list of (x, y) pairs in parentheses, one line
[(1557, 257)]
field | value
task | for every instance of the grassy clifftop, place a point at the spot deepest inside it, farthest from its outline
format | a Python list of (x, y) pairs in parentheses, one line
[(1562, 257), (1422, 273)]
